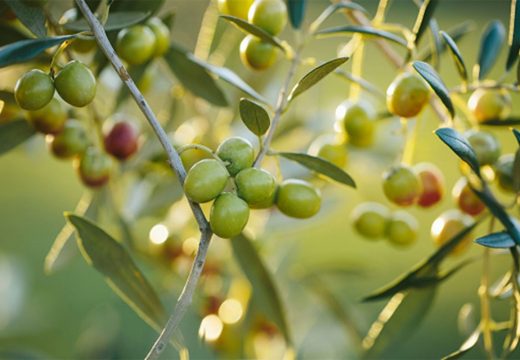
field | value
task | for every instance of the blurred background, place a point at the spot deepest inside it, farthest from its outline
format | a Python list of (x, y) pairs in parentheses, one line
[(74, 314)]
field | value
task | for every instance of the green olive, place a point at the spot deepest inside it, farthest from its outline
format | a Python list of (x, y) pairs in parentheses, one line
[(357, 120), (432, 183), (486, 146), (504, 172), (190, 157), (402, 229), (257, 187), (466, 200), (270, 15), (94, 167), (50, 119), (401, 185), (237, 8), (328, 148), (34, 90), (205, 180), (489, 104), (136, 45), (76, 84), (228, 216), (369, 219), (256, 54), (298, 199), (238, 152), (407, 95), (162, 35), (448, 225), (71, 141)]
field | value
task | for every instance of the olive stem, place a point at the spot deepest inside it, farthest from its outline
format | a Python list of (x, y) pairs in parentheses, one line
[(175, 162)]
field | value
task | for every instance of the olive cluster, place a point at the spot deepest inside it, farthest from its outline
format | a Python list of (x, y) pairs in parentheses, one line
[(270, 16), (253, 188), (138, 44)]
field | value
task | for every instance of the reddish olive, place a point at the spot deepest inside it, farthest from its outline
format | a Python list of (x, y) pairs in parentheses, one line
[(76, 84), (228, 216), (466, 200), (34, 90), (432, 183), (448, 225), (122, 140), (94, 167)]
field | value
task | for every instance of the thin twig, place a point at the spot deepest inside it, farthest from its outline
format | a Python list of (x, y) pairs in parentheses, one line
[(175, 162)]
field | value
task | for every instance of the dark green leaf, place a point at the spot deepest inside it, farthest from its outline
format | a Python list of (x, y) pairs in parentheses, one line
[(32, 17), (366, 30), (502, 122), (497, 240), (436, 83), (115, 21), (457, 33), (517, 134), (28, 49), (516, 171), (423, 18), (321, 166), (13, 134), (456, 55), (254, 117), (254, 30), (490, 45), (514, 35), (10, 35), (296, 12), (194, 77), (460, 146), (315, 75), (466, 346), (265, 291), (437, 43), (113, 261)]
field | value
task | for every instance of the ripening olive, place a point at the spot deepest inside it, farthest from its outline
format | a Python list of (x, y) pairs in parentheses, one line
[(228, 216), (270, 15), (162, 35), (401, 185), (357, 120), (504, 172), (122, 140), (50, 119), (205, 180), (76, 84), (407, 95), (94, 167), (489, 104), (402, 229), (238, 152), (71, 141), (257, 187), (432, 184), (448, 225), (370, 219), (34, 90), (486, 146), (257, 54), (298, 199), (466, 199), (237, 8), (136, 45)]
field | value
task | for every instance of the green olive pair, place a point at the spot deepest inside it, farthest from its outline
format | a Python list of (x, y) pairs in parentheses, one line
[(75, 84), (374, 221), (140, 43)]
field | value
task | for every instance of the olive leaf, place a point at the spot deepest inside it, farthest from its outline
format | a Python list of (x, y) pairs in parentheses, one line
[(436, 83), (460, 146), (321, 166), (14, 133), (490, 45), (514, 35), (254, 30), (456, 33), (456, 55), (296, 12), (424, 16), (331, 9), (496, 240), (511, 121), (516, 133), (314, 76), (254, 116), (466, 346), (32, 17), (365, 30), (115, 21)]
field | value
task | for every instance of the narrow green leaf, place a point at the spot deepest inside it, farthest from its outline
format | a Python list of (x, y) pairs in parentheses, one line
[(115, 21), (490, 45), (517, 134), (456, 55), (331, 9), (456, 33), (365, 30), (13, 134), (436, 83), (254, 117), (502, 122), (426, 11), (437, 43), (496, 240), (254, 30), (25, 50), (113, 261), (466, 346), (516, 171), (32, 17), (514, 35), (321, 166), (265, 291), (194, 77), (296, 12), (460, 146), (315, 75)]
